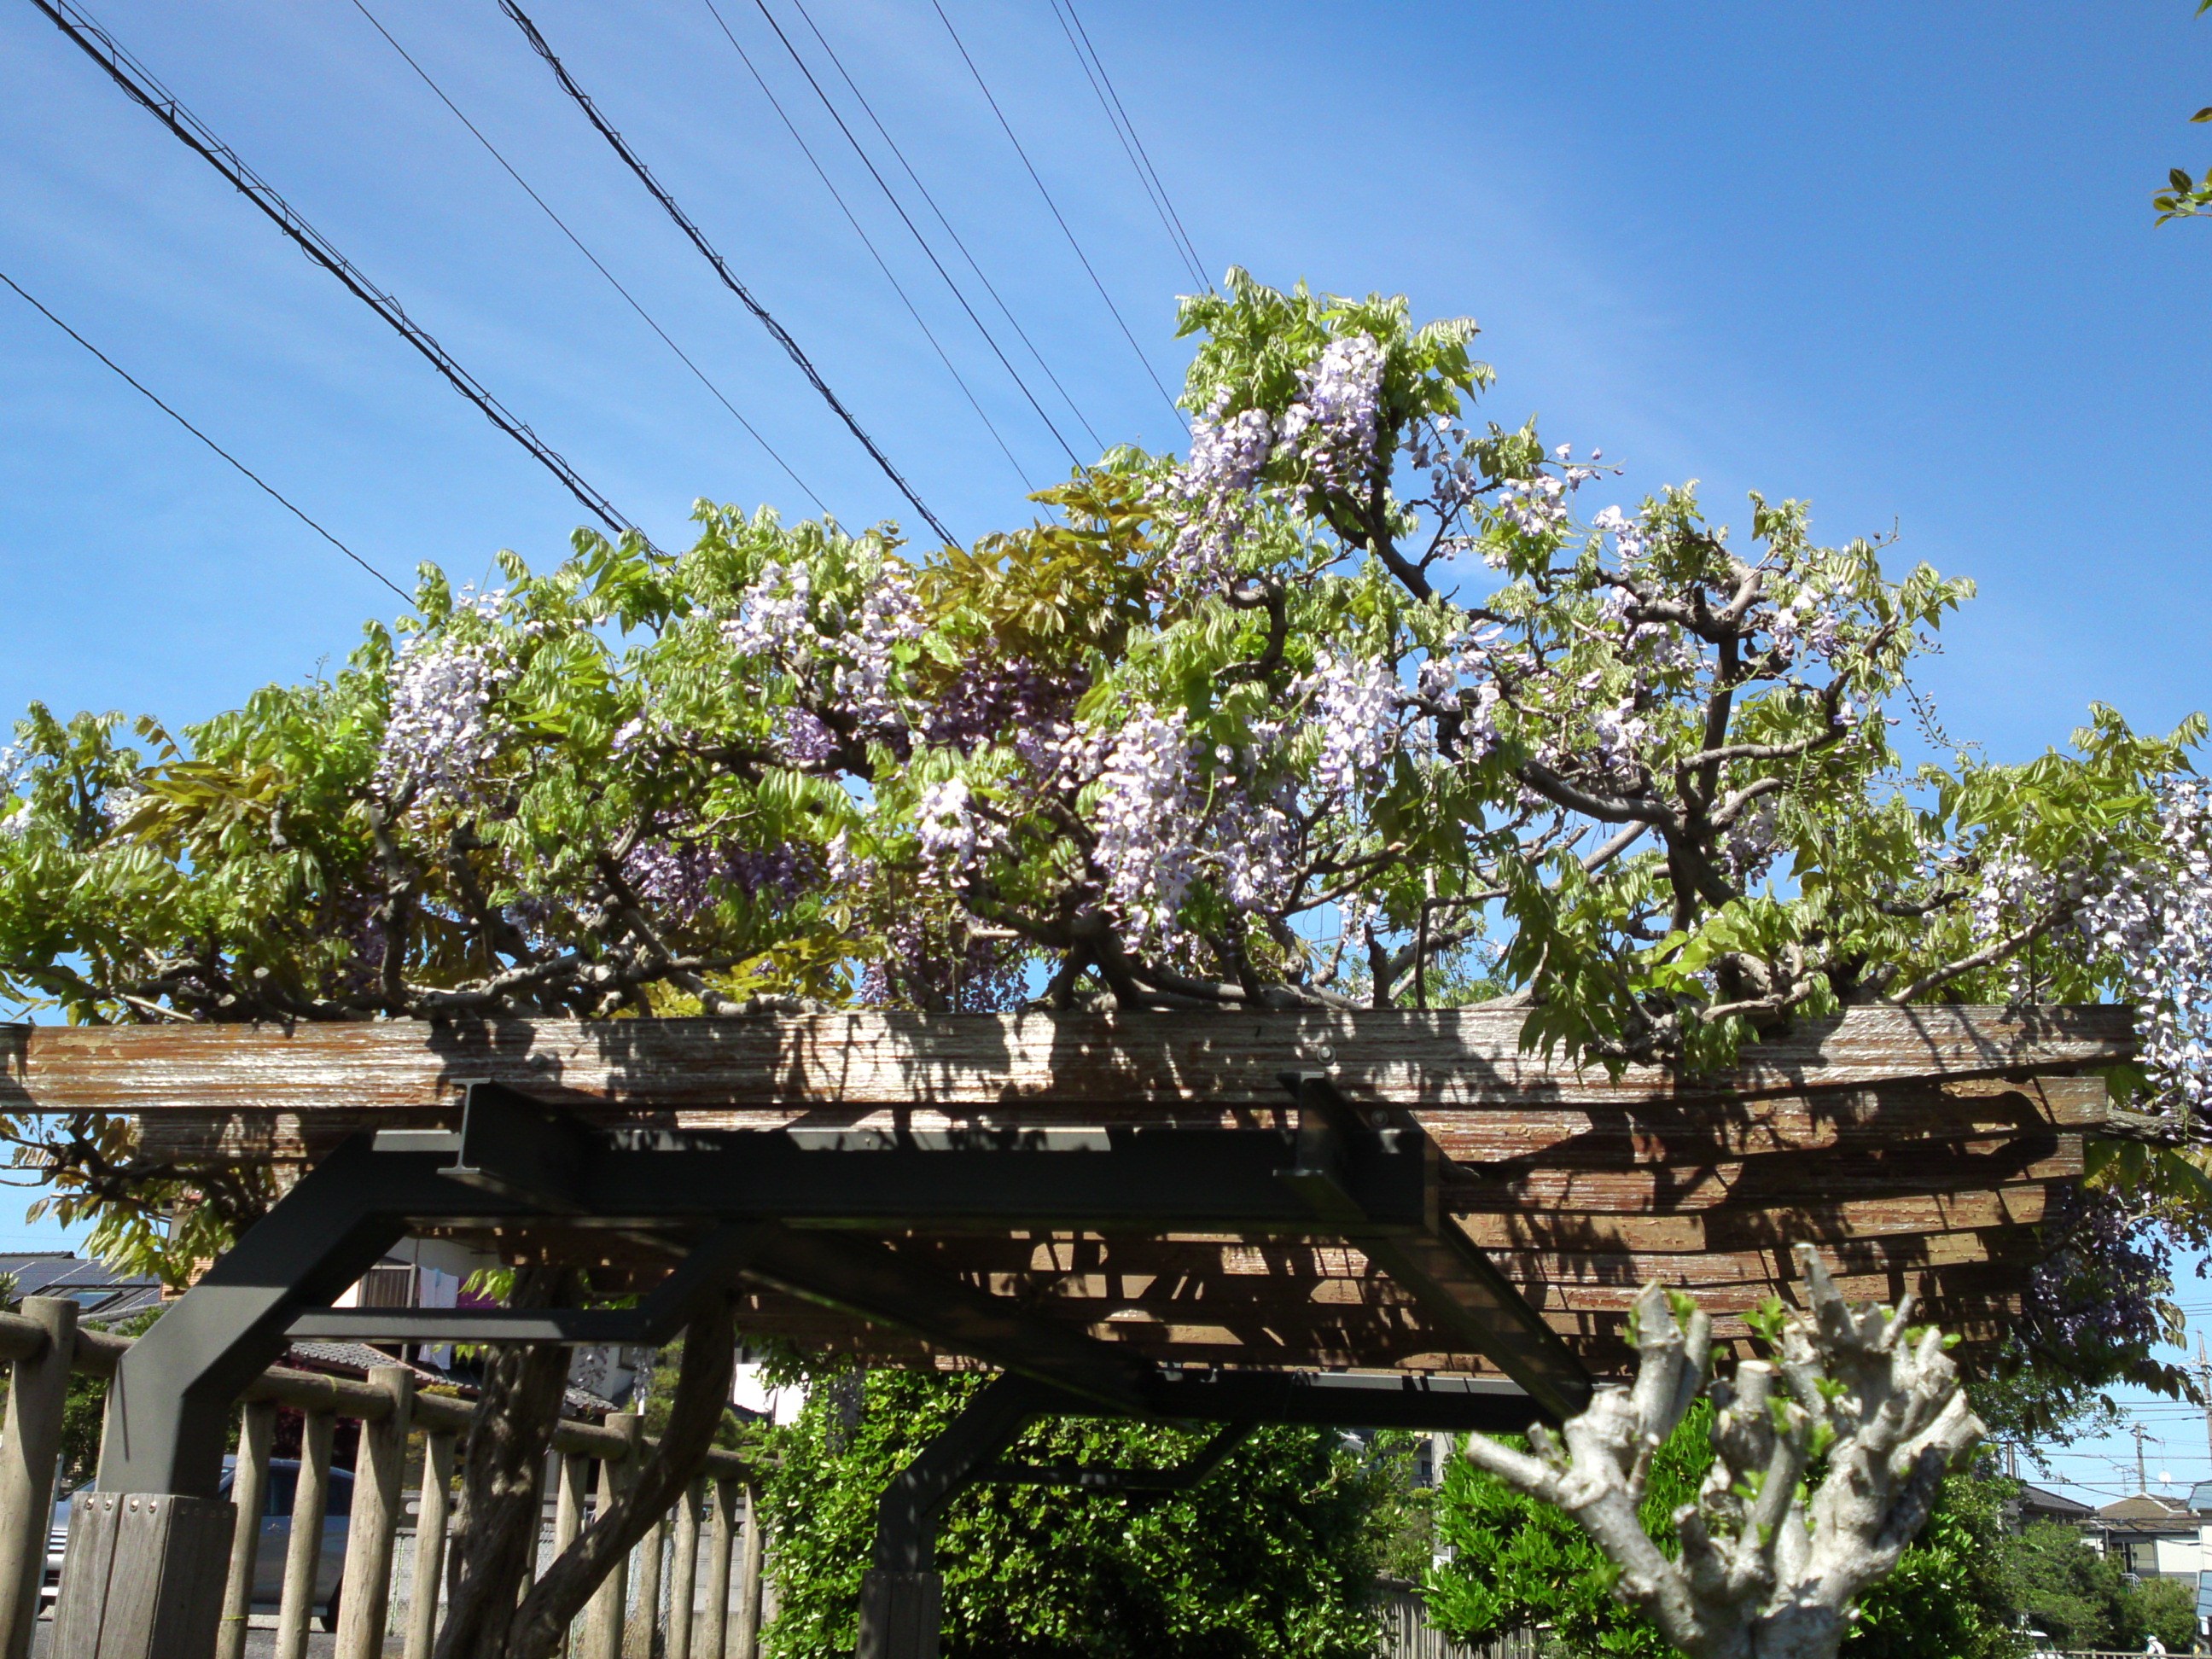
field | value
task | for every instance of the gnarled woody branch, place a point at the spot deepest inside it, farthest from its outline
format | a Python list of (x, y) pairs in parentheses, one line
[(1767, 1570)]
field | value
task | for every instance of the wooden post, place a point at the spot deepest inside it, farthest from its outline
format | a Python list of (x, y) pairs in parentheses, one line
[(303, 1551), (568, 1501), (249, 1496), (432, 1518), (30, 1445), (752, 1565), (645, 1622), (603, 1618), (714, 1635), (684, 1574), (143, 1578), (365, 1594)]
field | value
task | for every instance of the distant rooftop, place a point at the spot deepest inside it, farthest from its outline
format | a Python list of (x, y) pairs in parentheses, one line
[(2036, 1501), (101, 1294), (2144, 1513)]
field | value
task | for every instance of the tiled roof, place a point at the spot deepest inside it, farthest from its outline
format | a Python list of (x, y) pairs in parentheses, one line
[(2052, 1504), (355, 1358)]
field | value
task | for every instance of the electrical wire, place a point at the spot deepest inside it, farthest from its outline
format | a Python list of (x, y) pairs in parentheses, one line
[(668, 204), (138, 82), (263, 484), (1143, 154), (884, 132), (1094, 69), (1058, 217), (493, 151), (921, 240), (867, 241)]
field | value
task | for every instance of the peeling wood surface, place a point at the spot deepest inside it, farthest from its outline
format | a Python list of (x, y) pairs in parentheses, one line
[(984, 1066)]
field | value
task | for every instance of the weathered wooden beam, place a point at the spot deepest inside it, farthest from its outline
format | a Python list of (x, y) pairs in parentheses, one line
[(732, 1071), (1710, 1130), (1614, 1136)]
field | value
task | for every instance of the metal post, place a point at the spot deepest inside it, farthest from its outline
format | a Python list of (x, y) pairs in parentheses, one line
[(713, 1637), (249, 1496), (38, 1388), (752, 1562), (684, 1574), (902, 1594), (303, 1551), (365, 1595), (432, 1519), (168, 1410), (603, 1618)]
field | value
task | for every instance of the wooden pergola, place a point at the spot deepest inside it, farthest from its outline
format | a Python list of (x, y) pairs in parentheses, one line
[(1384, 1218), (1918, 1148)]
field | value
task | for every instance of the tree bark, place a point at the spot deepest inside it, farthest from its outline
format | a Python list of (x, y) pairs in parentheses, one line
[(702, 1392), (496, 1529), (1767, 1570)]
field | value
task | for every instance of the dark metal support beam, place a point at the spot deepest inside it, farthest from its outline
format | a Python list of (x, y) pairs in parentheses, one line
[(870, 1280), (515, 1159), (1456, 1287), (652, 1323), (1344, 1400), (169, 1409), (1180, 1477)]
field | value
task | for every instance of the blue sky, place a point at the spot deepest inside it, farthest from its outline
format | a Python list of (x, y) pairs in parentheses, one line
[(1896, 260)]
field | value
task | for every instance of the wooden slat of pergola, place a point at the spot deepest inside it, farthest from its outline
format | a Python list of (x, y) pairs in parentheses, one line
[(1918, 1146), (1191, 1067)]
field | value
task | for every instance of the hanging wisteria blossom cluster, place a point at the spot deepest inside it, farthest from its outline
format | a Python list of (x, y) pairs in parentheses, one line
[(2150, 917), (440, 737)]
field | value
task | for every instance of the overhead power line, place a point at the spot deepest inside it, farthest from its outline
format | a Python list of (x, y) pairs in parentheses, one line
[(263, 484), (721, 267), (915, 230), (493, 150), (1058, 217), (1094, 68), (914, 178), (867, 241), (139, 83)]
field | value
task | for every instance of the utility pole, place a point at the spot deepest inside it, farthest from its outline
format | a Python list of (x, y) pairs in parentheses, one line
[(2142, 1479), (2204, 1382)]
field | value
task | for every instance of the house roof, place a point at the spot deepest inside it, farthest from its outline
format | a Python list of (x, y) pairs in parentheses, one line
[(355, 1359), (2144, 1515), (98, 1290), (2037, 1500)]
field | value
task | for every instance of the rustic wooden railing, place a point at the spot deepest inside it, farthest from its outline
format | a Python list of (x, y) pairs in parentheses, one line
[(44, 1348)]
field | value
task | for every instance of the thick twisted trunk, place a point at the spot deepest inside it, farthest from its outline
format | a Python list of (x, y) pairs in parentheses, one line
[(702, 1392), (1763, 1573), (495, 1526)]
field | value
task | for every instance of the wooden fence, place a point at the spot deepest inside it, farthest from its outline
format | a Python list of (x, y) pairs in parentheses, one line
[(683, 1607), (1407, 1633)]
